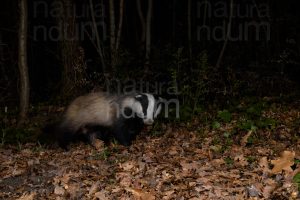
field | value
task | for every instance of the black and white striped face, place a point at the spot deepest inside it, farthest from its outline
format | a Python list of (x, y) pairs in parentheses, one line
[(149, 107)]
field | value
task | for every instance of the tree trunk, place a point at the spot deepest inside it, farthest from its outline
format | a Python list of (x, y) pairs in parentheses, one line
[(115, 39), (120, 24), (189, 27), (112, 33), (72, 54), (99, 48), (142, 19), (22, 63), (148, 33)]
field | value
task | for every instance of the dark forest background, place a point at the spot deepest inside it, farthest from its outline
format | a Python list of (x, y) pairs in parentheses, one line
[(191, 55)]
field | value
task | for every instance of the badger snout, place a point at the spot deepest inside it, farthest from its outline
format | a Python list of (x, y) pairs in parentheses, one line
[(148, 121)]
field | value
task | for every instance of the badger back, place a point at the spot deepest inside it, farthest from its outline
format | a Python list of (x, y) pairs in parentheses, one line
[(94, 108)]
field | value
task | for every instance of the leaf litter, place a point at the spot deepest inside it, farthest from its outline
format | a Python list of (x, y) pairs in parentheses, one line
[(180, 164)]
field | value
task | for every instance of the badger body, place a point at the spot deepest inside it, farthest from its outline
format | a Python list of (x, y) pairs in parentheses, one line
[(101, 115)]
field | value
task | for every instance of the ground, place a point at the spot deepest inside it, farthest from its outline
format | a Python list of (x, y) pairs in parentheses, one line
[(219, 159)]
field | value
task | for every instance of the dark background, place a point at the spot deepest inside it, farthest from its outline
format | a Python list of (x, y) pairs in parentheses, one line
[(265, 66)]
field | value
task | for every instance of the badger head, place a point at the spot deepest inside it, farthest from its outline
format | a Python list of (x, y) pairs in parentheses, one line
[(147, 107)]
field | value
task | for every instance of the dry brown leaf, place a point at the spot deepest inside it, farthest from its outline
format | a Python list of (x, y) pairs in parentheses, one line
[(73, 190), (189, 166), (125, 179), (269, 188), (241, 160), (94, 188), (244, 140), (168, 194), (27, 196), (32, 162), (140, 194), (253, 191), (58, 190), (127, 166), (102, 195), (285, 162), (26, 152), (263, 163), (217, 162), (173, 151), (98, 144), (17, 172), (65, 179)]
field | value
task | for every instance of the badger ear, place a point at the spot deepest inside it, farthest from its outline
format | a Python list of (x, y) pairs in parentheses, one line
[(139, 96)]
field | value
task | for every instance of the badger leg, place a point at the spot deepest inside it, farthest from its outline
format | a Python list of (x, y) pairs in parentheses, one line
[(121, 132), (65, 139), (91, 132), (126, 130)]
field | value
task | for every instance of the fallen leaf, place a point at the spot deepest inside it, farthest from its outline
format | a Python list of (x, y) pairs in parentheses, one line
[(102, 195), (217, 162), (73, 190), (244, 140), (59, 190), (241, 160), (253, 191), (94, 188), (140, 194), (127, 166), (263, 163), (27, 196), (98, 144), (125, 179), (284, 162), (269, 188)]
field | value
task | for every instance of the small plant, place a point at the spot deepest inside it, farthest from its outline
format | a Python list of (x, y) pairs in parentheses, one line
[(103, 155), (39, 147), (229, 161), (251, 159), (267, 123), (254, 111), (191, 79), (296, 179), (226, 134), (156, 129), (247, 125), (20, 146), (225, 116), (216, 125)]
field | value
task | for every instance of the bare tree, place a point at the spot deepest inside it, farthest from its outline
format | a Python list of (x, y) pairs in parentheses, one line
[(189, 28), (115, 40), (120, 24), (22, 63), (142, 19), (112, 27), (72, 55), (148, 32), (98, 47)]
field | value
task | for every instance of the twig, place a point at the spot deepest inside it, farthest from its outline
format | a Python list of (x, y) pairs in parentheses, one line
[(120, 24), (99, 50), (227, 36)]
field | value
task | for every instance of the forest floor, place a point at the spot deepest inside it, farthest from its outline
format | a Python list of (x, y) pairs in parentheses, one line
[(233, 156)]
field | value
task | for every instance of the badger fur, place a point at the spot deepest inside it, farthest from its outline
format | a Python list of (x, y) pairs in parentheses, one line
[(101, 115)]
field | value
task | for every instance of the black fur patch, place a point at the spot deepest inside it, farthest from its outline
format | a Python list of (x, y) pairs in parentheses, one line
[(143, 99)]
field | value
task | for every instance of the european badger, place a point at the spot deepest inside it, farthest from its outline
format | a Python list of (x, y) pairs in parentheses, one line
[(101, 115)]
